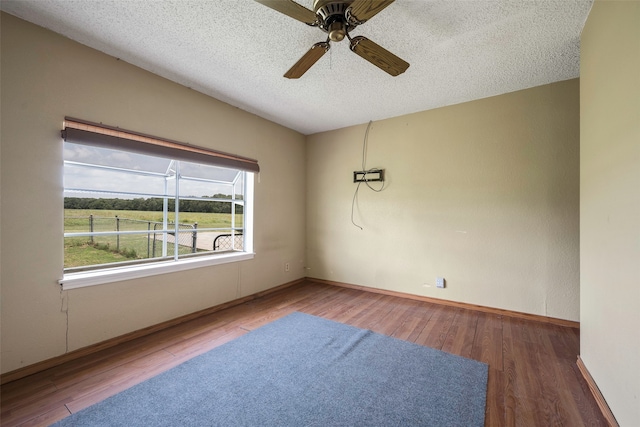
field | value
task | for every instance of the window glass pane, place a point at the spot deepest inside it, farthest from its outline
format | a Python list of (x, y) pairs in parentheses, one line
[(239, 186), (205, 189), (208, 214), (120, 208), (114, 248), (112, 181)]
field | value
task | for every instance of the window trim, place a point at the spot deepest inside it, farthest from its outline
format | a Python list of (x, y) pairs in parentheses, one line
[(118, 274), (110, 137)]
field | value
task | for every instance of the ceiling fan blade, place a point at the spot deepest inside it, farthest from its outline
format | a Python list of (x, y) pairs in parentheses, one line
[(307, 60), (363, 10), (378, 56), (292, 9)]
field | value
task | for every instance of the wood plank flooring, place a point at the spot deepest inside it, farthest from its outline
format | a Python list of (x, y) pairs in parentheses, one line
[(533, 376)]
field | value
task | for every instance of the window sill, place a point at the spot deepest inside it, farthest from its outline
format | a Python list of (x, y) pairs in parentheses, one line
[(99, 277)]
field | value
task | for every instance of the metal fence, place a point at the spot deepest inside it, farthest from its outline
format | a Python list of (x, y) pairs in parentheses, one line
[(145, 245), (149, 241), (187, 237), (226, 242)]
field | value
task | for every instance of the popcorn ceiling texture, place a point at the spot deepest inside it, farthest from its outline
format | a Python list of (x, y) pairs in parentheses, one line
[(237, 51)]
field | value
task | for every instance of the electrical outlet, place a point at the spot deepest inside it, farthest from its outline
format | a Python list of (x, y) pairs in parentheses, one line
[(287, 267), (439, 282)]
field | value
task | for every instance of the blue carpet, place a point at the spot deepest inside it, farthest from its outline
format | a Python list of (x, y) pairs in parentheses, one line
[(303, 370)]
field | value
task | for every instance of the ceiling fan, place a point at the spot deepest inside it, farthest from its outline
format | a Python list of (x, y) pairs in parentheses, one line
[(337, 18)]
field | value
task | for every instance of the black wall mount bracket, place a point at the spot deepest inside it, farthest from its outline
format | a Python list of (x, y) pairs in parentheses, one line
[(371, 175)]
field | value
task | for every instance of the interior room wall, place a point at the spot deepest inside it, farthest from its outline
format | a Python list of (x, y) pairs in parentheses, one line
[(46, 77), (484, 194), (610, 204)]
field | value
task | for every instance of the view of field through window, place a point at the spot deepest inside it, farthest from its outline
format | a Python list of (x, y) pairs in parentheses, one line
[(120, 207)]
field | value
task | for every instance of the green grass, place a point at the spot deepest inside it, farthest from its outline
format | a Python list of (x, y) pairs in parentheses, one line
[(84, 251), (80, 253), (204, 220)]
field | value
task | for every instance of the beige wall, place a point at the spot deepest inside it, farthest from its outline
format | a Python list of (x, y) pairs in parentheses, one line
[(44, 78), (610, 204), (484, 194)]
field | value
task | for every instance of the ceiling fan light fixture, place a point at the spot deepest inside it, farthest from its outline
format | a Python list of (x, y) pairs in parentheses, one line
[(337, 31)]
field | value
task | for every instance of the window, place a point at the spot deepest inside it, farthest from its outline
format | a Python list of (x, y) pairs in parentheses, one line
[(136, 205)]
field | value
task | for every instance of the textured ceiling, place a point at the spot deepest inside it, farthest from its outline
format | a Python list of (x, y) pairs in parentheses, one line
[(238, 50)]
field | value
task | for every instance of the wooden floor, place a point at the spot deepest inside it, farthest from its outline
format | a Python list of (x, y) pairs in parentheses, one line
[(533, 378)]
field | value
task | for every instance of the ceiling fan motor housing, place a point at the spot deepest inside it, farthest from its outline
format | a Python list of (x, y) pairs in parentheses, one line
[(332, 17)]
